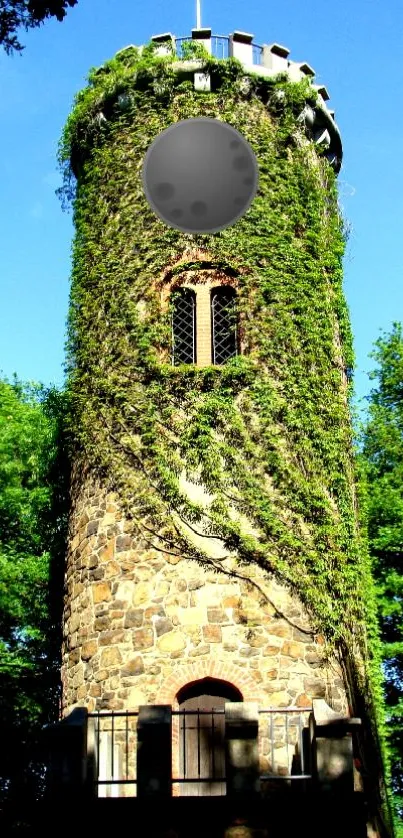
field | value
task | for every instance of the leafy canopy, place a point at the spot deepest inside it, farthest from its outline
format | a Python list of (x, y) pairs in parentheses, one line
[(382, 455), (27, 14), (32, 525)]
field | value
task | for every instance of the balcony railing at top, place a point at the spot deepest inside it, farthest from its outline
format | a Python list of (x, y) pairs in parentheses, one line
[(200, 739), (219, 47)]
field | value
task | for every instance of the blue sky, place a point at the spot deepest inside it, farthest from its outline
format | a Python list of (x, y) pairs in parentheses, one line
[(355, 48)]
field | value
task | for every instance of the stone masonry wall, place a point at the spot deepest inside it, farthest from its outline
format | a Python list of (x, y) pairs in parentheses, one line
[(139, 624)]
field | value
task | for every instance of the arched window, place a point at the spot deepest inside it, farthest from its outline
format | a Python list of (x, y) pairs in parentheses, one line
[(183, 326), (223, 324), (202, 736)]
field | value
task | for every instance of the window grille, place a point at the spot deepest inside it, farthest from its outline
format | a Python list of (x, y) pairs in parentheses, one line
[(224, 325), (183, 326)]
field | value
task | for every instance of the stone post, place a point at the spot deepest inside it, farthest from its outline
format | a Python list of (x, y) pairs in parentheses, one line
[(92, 758), (332, 748), (241, 748), (203, 35), (275, 58), (298, 71), (154, 751), (166, 43), (240, 47), (66, 745)]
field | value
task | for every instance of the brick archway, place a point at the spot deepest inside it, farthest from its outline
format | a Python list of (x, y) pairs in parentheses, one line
[(186, 675), (227, 671)]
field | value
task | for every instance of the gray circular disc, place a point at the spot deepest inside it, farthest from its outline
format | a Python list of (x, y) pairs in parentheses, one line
[(200, 175)]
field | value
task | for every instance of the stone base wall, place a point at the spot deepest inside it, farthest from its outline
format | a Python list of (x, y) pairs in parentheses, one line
[(139, 624)]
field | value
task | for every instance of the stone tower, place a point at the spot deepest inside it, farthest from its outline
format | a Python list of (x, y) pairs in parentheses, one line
[(214, 533)]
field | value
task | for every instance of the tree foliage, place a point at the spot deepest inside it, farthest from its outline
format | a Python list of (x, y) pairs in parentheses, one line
[(27, 14), (32, 526), (382, 453)]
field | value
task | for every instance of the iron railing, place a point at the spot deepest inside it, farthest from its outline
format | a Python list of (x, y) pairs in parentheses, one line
[(200, 749), (220, 47)]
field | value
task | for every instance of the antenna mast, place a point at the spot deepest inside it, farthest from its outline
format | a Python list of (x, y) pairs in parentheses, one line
[(198, 21)]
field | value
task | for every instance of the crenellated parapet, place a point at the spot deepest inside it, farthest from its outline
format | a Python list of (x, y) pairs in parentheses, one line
[(266, 61)]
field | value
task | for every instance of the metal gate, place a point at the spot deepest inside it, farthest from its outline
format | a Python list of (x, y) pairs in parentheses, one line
[(202, 746)]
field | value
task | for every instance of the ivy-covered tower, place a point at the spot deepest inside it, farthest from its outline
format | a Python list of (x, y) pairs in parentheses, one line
[(214, 529)]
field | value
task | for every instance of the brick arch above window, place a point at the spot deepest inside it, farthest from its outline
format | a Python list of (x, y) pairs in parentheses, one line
[(222, 671)]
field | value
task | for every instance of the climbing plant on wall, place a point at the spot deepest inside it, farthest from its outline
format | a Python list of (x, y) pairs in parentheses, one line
[(268, 435)]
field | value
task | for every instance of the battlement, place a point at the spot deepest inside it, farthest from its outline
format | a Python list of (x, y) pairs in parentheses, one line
[(266, 60)]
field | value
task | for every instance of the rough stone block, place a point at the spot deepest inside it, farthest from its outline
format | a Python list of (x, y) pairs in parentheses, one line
[(173, 641), (111, 569), (293, 649), (101, 592), (162, 626), (231, 602), (143, 638), (203, 649), (216, 615), (89, 649), (248, 652), (109, 638), (271, 650), (135, 666), (74, 657), (257, 640), (192, 616), (315, 687), (110, 657), (124, 591), (142, 593), (92, 528), (212, 634), (123, 542), (280, 699), (101, 623), (280, 629)]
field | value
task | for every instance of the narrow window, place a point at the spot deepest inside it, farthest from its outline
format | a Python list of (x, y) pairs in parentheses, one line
[(223, 324), (183, 326)]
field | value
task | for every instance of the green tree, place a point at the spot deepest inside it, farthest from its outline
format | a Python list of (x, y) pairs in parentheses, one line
[(382, 453), (32, 532), (27, 14)]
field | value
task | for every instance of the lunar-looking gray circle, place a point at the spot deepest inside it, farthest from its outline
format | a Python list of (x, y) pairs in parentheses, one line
[(200, 175), (163, 191)]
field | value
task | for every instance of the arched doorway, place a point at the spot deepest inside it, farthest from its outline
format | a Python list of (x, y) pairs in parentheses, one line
[(202, 736)]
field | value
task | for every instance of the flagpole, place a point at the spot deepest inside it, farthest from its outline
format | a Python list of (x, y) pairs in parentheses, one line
[(198, 21)]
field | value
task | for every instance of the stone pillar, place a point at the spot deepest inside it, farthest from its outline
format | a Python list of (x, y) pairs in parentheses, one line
[(203, 326), (275, 58), (298, 71), (154, 751), (241, 748), (92, 758), (204, 36), (66, 745), (202, 81), (166, 42), (240, 47), (332, 748)]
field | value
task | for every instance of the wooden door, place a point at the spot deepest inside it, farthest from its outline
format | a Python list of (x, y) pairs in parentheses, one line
[(202, 746)]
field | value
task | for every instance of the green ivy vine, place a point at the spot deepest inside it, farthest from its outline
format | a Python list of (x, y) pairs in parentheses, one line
[(267, 435)]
